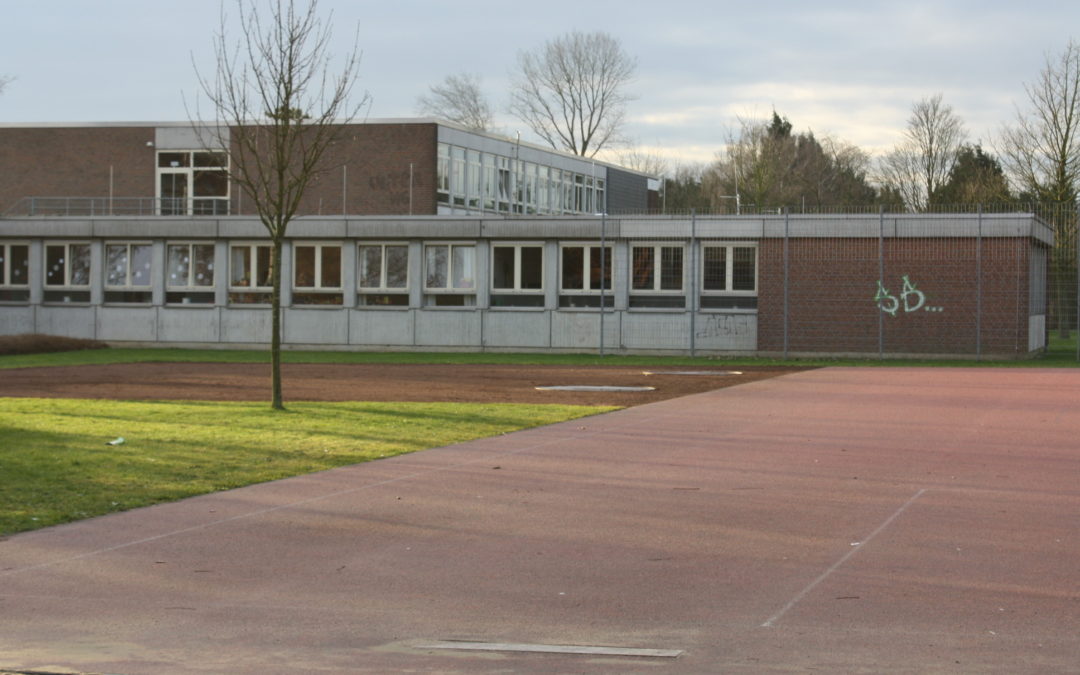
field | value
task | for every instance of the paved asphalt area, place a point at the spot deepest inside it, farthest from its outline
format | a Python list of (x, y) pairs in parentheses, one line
[(840, 520)]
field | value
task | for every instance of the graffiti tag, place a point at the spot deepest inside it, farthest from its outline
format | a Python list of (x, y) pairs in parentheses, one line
[(911, 299)]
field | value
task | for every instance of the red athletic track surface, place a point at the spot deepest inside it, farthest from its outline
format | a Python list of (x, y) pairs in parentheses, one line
[(839, 520)]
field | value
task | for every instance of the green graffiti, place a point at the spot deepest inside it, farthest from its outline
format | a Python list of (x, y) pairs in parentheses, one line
[(911, 299)]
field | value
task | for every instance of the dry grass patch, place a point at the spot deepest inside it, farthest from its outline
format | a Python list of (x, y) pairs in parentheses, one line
[(36, 343)]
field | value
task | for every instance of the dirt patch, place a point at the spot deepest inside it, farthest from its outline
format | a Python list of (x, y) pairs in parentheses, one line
[(369, 382)]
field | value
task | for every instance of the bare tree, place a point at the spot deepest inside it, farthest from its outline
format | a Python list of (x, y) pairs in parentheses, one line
[(458, 99), (922, 162), (1041, 153), (642, 160), (5, 80), (572, 91), (280, 103)]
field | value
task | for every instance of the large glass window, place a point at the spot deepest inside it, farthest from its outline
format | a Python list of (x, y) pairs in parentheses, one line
[(317, 274), (14, 272), (189, 275), (729, 276), (517, 275), (585, 273), (656, 276), (250, 274), (128, 272), (450, 275), (383, 275), (193, 183)]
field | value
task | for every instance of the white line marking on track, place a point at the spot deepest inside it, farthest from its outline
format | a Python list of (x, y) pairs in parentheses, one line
[(550, 649), (855, 548)]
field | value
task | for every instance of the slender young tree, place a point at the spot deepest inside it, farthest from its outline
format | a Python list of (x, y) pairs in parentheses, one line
[(458, 99), (572, 91), (279, 101), (922, 162)]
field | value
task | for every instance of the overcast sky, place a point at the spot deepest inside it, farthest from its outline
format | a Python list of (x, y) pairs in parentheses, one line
[(850, 70)]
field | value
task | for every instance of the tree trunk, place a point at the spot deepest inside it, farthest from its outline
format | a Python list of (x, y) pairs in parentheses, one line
[(275, 337)]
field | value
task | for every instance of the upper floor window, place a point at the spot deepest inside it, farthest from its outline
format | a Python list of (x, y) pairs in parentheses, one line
[(67, 272), (14, 272), (128, 272), (383, 275), (189, 273), (192, 183), (729, 276)]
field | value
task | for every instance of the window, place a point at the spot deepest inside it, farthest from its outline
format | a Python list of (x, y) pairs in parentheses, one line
[(585, 275), (193, 183), (442, 174), (450, 275), (14, 272), (729, 276), (656, 276), (128, 272), (67, 272), (189, 274), (317, 274), (517, 275), (250, 274), (383, 276)]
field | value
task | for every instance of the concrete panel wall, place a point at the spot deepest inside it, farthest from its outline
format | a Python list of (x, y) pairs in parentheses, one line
[(242, 325), (448, 328), (726, 332), (530, 330), (655, 330), (66, 320), (16, 320), (137, 324), (389, 328), (315, 326), (581, 330), (189, 324)]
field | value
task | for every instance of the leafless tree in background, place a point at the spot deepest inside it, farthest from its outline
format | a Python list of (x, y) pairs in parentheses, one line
[(5, 80), (921, 163), (281, 101), (1041, 153), (572, 91), (458, 99)]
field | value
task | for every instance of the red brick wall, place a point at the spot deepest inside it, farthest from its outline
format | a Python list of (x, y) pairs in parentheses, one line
[(74, 162), (833, 283), (375, 180)]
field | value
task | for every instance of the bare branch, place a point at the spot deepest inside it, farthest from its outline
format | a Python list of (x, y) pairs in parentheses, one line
[(458, 99), (571, 92)]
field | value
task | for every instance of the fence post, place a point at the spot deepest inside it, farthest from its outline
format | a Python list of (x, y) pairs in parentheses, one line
[(693, 281), (881, 277), (978, 286), (787, 232), (603, 266)]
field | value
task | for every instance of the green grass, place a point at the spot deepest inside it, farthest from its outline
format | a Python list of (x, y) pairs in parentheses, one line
[(1061, 353), (57, 467)]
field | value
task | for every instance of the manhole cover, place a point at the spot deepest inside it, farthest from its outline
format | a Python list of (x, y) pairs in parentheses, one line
[(592, 387), (692, 372)]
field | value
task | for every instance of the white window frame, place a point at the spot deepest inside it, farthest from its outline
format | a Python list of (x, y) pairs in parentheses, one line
[(657, 272), (729, 268), (586, 262), (5, 256), (129, 273), (188, 169), (252, 271), (191, 283), (66, 262), (382, 287), (317, 283), (516, 288), (450, 287)]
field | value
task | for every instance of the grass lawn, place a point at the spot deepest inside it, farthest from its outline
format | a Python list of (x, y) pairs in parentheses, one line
[(57, 467)]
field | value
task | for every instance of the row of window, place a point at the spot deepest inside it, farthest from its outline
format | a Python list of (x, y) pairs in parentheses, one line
[(657, 273), (481, 181)]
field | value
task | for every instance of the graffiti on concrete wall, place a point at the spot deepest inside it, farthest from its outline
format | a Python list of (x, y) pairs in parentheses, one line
[(911, 299)]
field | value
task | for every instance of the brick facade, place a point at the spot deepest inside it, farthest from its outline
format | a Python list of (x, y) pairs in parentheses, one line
[(835, 304)]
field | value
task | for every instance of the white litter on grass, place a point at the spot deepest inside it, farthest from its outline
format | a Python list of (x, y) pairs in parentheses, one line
[(591, 387), (116, 441), (691, 372)]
